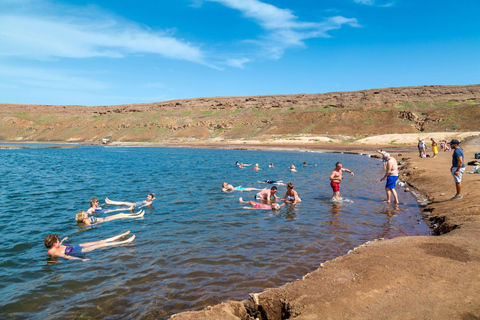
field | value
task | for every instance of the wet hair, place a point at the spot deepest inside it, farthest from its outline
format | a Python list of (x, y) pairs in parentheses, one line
[(273, 188), (152, 195), (336, 164), (50, 240), (224, 184), (92, 201), (275, 206), (80, 216), (290, 185)]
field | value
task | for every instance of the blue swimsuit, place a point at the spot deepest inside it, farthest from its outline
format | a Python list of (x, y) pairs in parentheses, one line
[(74, 249), (93, 220)]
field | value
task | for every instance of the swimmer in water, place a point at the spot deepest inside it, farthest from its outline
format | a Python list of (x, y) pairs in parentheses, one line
[(56, 249), (228, 187), (263, 206), (82, 217), (256, 167), (304, 163), (292, 168), (278, 183), (95, 208), (148, 202), (270, 165), (267, 194), (291, 196), (335, 179)]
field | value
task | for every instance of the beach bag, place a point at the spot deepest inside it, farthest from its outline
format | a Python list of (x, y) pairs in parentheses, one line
[(477, 155), (473, 163)]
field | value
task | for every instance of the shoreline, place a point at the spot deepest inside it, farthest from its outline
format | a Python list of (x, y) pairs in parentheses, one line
[(404, 277)]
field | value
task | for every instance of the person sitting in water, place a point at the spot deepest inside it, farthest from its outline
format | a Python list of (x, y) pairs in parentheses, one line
[(228, 187), (148, 202), (291, 195), (95, 208), (267, 194), (292, 168), (56, 249), (256, 167), (263, 206), (83, 217), (278, 183)]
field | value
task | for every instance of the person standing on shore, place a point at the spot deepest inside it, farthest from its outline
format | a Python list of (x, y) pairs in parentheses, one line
[(335, 179), (391, 174), (458, 167), (434, 147)]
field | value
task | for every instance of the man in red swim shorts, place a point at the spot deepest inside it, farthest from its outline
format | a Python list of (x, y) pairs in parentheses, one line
[(336, 178)]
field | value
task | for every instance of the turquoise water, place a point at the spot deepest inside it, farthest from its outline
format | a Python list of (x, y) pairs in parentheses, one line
[(196, 246)]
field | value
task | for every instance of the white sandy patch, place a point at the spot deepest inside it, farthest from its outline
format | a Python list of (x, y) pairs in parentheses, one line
[(412, 138)]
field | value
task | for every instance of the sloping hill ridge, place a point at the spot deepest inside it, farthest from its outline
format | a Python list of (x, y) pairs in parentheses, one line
[(352, 114)]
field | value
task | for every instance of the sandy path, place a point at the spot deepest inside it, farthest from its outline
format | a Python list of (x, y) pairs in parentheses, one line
[(403, 278)]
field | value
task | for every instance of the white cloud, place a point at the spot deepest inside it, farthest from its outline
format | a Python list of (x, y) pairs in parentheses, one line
[(379, 3), (86, 34), (237, 63), (283, 29)]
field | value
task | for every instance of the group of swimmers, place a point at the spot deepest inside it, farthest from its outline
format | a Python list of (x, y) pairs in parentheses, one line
[(57, 249)]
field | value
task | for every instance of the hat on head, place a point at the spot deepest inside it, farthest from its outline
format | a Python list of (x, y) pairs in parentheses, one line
[(386, 155), (454, 141)]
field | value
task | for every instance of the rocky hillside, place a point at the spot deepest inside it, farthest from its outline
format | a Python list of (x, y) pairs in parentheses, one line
[(354, 114)]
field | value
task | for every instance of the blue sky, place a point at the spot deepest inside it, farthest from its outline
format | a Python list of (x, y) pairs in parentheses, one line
[(121, 51)]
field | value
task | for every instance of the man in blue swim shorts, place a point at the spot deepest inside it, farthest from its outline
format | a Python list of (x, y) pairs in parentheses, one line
[(391, 174), (458, 167)]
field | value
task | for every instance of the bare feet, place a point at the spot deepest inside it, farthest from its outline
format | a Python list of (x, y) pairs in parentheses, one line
[(108, 201)]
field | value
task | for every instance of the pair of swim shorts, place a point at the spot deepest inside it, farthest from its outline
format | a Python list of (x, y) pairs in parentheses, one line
[(458, 178), (73, 249), (335, 186), (391, 181)]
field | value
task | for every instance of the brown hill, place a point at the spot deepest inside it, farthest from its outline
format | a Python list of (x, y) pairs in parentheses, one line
[(354, 114)]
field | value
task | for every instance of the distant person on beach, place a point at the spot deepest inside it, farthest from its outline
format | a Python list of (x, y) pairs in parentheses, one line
[(458, 167), (258, 205), (278, 183), (336, 178), (228, 187), (83, 217), (434, 147), (421, 148), (291, 196), (292, 168), (56, 249), (391, 174), (148, 202), (256, 167), (267, 194)]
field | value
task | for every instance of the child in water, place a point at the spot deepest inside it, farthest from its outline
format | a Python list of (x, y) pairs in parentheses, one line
[(56, 249)]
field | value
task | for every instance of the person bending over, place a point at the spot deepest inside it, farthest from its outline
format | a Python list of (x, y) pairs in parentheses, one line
[(56, 249), (291, 196)]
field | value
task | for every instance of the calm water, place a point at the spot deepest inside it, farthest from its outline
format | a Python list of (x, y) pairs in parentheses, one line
[(196, 246)]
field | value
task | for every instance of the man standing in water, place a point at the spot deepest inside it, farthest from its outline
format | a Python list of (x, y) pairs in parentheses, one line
[(458, 167), (391, 174), (336, 178)]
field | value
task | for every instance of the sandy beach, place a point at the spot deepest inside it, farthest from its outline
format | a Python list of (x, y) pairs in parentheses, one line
[(435, 277)]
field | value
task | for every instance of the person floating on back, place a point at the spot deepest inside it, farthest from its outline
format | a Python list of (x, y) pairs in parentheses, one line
[(83, 217), (56, 249), (263, 206), (148, 202)]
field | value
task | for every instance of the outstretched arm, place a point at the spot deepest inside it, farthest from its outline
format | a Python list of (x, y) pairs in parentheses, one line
[(348, 170)]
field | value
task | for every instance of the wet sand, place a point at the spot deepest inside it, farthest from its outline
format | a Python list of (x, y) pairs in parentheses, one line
[(403, 278)]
